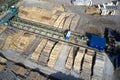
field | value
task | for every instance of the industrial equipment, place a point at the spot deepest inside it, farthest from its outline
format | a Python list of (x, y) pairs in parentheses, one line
[(9, 14)]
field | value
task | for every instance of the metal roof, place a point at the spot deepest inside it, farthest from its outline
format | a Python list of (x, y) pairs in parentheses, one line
[(97, 42)]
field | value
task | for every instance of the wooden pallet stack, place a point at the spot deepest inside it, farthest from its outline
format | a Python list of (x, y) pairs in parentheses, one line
[(78, 60), (87, 65), (99, 67), (43, 59), (54, 54), (38, 50), (18, 69), (70, 58)]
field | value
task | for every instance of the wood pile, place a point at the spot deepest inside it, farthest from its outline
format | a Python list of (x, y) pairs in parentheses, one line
[(57, 18), (7, 43), (54, 54), (18, 70), (40, 15), (74, 22), (2, 28), (38, 50), (15, 37), (99, 67), (2, 60), (78, 61), (70, 59), (2, 63), (36, 76), (60, 18), (23, 42), (68, 22), (2, 67), (57, 9), (46, 52), (87, 64), (2, 40)]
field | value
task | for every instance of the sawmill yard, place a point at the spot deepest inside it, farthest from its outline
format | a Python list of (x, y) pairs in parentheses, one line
[(33, 46)]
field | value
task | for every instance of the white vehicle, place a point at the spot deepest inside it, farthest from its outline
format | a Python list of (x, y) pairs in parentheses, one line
[(82, 2)]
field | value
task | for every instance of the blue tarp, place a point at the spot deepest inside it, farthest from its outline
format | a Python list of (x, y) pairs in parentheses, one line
[(97, 42)]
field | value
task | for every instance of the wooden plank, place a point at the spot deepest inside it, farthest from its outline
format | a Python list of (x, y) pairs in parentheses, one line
[(74, 22)]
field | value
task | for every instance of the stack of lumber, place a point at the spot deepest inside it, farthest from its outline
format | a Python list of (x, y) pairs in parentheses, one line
[(2, 28), (68, 22), (16, 37), (38, 50), (58, 8), (23, 42), (90, 52), (54, 54), (57, 18), (82, 50), (36, 76), (2, 63), (37, 15), (70, 58), (60, 18), (87, 65), (74, 22), (2, 40), (99, 67), (2, 67), (46, 52), (7, 43), (2, 60), (18, 70), (78, 61)]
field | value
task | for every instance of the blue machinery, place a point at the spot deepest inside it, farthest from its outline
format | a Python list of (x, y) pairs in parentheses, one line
[(8, 15)]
